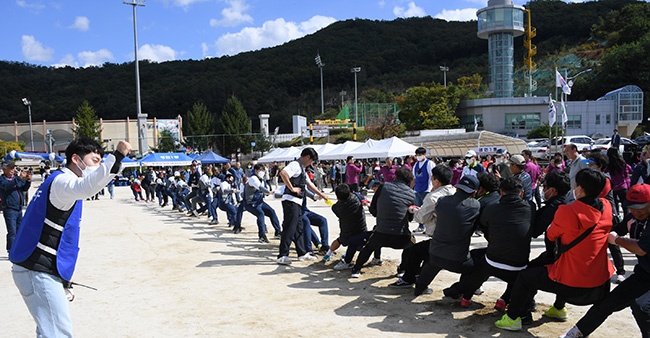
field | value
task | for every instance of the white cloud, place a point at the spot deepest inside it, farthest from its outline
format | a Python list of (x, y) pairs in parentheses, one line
[(411, 11), (381, 3), (272, 33), (233, 15), (34, 50), (205, 49), (80, 23), (68, 60), (96, 58), (25, 4), (157, 53), (184, 3), (478, 2), (465, 14)]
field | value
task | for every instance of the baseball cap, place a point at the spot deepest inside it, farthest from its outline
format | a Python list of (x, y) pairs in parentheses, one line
[(499, 152), (468, 184), (470, 153), (8, 163), (638, 197), (517, 160)]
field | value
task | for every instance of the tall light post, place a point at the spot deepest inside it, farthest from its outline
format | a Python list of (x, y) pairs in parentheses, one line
[(355, 70), (142, 118), (28, 103), (320, 65), (342, 93), (444, 70)]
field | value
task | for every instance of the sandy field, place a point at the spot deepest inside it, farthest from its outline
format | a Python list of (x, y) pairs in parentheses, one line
[(160, 273)]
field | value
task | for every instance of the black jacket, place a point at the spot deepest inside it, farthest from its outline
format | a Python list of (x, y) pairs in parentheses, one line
[(352, 218), (390, 206), (509, 223), (455, 225), (492, 197)]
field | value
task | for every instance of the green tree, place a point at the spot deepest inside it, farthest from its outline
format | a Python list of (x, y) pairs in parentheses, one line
[(199, 124), (235, 123), (384, 126), (86, 122), (542, 132), (429, 106), (166, 142)]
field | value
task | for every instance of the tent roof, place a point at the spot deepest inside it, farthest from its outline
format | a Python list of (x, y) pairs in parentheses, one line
[(210, 157), (127, 162), (166, 159), (341, 151), (391, 147), (270, 157), (456, 145)]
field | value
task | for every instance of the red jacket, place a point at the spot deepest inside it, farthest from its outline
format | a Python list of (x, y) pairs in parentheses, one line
[(586, 265)]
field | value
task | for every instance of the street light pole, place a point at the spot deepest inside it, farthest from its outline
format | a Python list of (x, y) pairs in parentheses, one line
[(28, 103), (342, 93), (355, 70), (142, 118), (320, 65), (444, 70)]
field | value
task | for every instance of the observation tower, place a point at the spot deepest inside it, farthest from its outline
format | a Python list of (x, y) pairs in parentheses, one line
[(500, 22)]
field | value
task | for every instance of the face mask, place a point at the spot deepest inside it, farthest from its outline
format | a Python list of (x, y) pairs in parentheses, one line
[(469, 161), (87, 170), (420, 158), (260, 174), (459, 165), (573, 193), (498, 160)]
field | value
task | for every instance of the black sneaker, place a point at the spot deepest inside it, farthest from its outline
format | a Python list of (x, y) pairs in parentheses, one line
[(452, 293), (263, 239), (401, 284), (355, 273), (237, 230)]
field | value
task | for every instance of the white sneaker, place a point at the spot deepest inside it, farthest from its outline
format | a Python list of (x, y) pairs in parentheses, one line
[(479, 291), (376, 261), (342, 265), (308, 257), (284, 260), (619, 279), (573, 333)]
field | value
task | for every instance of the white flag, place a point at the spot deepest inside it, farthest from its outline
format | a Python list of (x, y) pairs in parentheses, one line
[(475, 123), (560, 82), (565, 118), (552, 111)]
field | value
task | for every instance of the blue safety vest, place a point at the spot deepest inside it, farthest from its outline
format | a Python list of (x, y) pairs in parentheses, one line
[(31, 228), (421, 176)]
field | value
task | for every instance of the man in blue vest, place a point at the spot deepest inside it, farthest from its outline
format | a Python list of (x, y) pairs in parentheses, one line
[(422, 172), (47, 244)]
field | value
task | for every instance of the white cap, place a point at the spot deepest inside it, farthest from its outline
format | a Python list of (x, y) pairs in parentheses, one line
[(177, 174), (470, 153)]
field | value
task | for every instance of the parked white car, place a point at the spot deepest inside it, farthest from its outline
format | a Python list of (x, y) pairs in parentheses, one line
[(539, 149), (606, 143), (582, 142)]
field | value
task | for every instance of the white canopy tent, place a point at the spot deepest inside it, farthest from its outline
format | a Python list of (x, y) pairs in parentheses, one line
[(391, 147), (341, 151), (270, 157)]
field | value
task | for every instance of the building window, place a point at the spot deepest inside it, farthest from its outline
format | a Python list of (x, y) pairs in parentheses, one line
[(519, 121), (467, 122), (574, 122), (597, 118), (608, 119)]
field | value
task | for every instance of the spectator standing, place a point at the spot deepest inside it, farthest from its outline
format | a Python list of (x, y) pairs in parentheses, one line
[(12, 186), (352, 170), (422, 173)]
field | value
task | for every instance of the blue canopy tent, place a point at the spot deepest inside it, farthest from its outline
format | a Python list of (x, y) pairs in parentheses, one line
[(209, 157), (25, 156), (166, 160), (128, 162), (193, 156)]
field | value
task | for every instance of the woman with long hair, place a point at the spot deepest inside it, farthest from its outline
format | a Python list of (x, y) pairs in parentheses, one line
[(619, 172)]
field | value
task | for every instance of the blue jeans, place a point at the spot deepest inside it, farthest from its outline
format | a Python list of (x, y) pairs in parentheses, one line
[(212, 208), (12, 221), (45, 298), (231, 211), (111, 190), (260, 211), (308, 219)]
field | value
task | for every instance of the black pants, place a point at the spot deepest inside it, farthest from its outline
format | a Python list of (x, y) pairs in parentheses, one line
[(413, 259), (356, 243), (621, 297), (617, 257), (379, 240), (536, 278), (291, 229), (619, 198), (189, 197), (641, 312), (471, 281), (431, 269)]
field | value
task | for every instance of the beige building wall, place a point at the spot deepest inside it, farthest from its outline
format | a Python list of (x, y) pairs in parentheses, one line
[(112, 132)]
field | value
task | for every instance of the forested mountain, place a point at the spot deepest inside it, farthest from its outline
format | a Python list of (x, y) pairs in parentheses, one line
[(284, 80)]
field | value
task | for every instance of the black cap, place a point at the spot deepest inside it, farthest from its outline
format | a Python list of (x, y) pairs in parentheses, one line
[(8, 163), (468, 184)]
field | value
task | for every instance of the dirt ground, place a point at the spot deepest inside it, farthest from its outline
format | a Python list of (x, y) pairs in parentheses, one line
[(160, 273)]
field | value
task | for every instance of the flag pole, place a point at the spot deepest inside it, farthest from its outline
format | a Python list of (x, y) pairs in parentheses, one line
[(556, 132)]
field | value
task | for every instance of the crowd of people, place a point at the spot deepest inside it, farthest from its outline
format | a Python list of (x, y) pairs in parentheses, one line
[(583, 206)]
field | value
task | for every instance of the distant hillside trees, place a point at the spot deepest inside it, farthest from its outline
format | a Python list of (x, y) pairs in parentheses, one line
[(235, 124)]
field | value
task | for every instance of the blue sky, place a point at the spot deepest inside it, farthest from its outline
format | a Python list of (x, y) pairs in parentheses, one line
[(91, 32)]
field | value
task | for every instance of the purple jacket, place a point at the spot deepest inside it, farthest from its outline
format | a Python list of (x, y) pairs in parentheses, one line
[(621, 181), (534, 171)]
